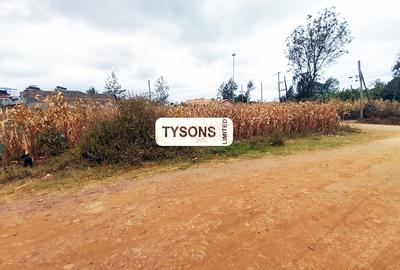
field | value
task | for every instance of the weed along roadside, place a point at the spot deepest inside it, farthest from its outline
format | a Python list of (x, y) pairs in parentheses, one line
[(49, 176), (127, 135)]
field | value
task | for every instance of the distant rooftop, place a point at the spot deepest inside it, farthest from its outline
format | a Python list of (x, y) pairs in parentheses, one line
[(31, 93)]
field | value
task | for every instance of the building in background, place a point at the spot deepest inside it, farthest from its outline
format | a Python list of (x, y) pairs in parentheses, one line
[(6, 99), (33, 95)]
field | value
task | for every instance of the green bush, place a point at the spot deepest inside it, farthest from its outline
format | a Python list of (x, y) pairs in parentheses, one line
[(129, 138), (276, 138), (370, 110), (2, 151), (354, 113), (50, 142)]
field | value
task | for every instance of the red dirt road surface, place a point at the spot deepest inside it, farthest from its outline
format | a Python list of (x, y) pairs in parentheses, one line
[(331, 209)]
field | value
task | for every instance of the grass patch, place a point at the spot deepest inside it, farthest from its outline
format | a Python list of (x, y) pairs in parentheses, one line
[(257, 147), (62, 164)]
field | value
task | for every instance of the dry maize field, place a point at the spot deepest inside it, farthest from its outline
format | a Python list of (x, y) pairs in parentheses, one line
[(262, 119), (20, 125)]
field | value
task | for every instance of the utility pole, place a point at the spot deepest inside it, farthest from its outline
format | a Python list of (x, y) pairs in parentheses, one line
[(261, 93), (242, 92), (361, 90), (284, 78), (148, 82), (233, 66), (279, 85), (365, 87)]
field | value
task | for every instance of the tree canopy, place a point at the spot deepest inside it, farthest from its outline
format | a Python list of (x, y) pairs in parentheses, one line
[(112, 86), (161, 91), (324, 91), (396, 67), (245, 97), (392, 88), (91, 90), (228, 90), (313, 46)]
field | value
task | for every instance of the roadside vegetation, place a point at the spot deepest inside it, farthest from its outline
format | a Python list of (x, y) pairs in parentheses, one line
[(68, 170), (375, 111), (123, 135)]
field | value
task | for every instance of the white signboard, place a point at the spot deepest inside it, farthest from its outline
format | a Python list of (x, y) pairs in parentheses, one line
[(194, 131)]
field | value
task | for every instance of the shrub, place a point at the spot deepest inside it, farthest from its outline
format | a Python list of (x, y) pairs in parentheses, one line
[(128, 138), (276, 138), (50, 142), (370, 110), (2, 151)]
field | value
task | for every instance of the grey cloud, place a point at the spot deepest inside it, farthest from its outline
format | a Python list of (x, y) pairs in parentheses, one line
[(191, 17), (144, 73), (111, 58), (24, 10), (200, 23)]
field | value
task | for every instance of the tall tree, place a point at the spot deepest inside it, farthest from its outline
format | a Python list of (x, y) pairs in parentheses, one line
[(112, 86), (250, 87), (228, 90), (324, 91), (396, 67), (313, 46), (348, 94), (377, 89), (290, 96), (161, 90), (392, 88)]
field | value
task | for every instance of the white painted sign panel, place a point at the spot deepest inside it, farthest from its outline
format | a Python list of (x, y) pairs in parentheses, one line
[(194, 131)]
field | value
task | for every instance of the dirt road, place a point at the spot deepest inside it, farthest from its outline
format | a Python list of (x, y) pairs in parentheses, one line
[(332, 209)]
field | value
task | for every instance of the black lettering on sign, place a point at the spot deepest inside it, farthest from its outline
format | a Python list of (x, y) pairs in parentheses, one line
[(192, 131), (211, 132), (174, 130), (165, 130), (202, 131), (224, 131), (183, 132)]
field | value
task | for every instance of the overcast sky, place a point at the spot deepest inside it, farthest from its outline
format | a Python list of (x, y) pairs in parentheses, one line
[(77, 43)]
